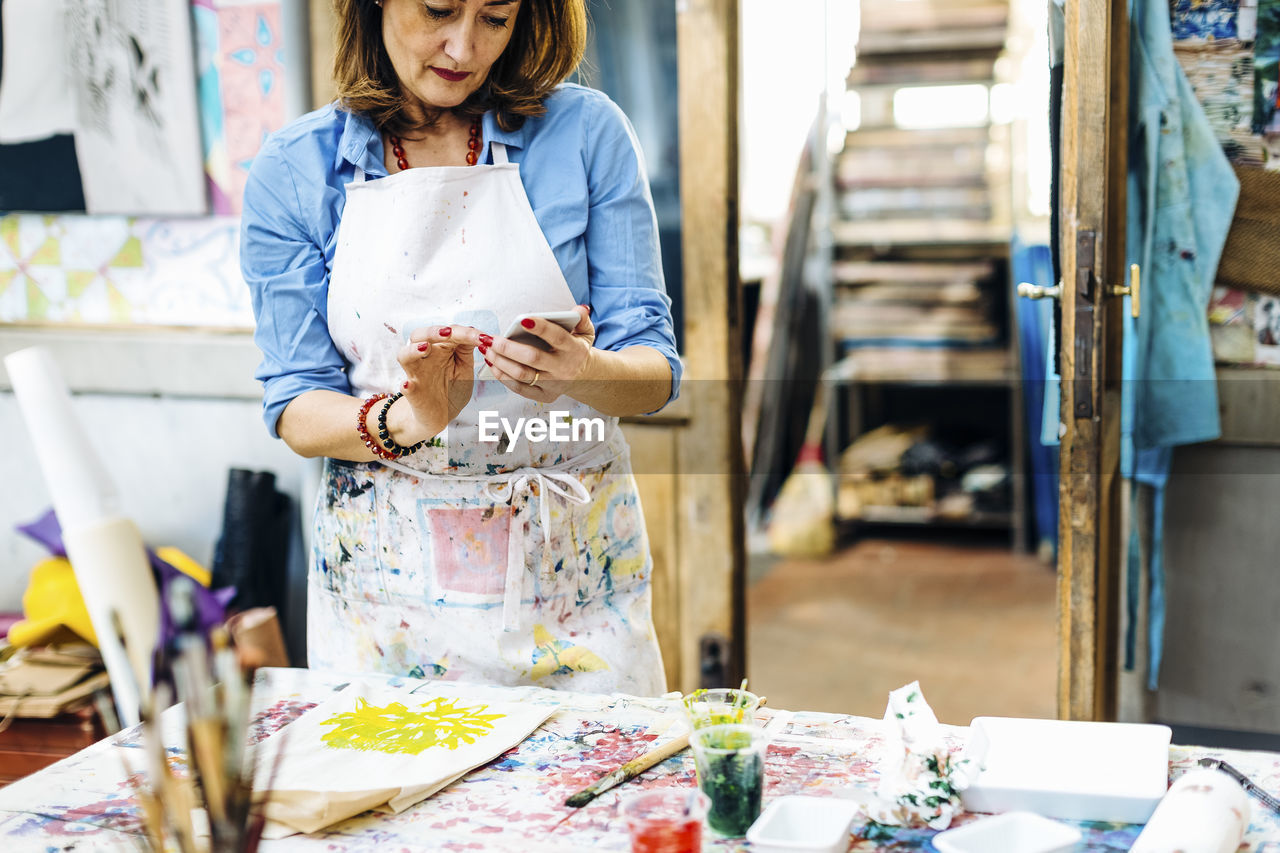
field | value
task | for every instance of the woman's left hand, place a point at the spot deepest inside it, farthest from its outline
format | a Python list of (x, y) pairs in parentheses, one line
[(543, 376)]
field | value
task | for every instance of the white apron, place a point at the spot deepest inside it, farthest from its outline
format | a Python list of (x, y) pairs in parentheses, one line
[(465, 561)]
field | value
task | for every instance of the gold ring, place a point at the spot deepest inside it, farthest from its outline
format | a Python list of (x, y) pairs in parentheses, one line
[(534, 380)]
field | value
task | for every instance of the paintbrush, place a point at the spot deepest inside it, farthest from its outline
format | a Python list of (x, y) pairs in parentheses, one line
[(1244, 781), (631, 769)]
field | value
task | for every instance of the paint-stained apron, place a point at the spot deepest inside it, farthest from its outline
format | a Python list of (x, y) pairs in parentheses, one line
[(505, 563)]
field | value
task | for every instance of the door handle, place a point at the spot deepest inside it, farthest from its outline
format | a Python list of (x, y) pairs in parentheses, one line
[(1133, 291), (1035, 291)]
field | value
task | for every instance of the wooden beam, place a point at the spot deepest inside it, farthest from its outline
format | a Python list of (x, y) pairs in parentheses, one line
[(710, 487), (1092, 176), (323, 21)]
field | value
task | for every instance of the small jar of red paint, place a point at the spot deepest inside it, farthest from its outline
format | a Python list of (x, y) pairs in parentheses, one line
[(666, 820)]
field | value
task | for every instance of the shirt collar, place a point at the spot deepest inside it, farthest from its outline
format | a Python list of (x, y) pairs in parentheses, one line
[(361, 145), (493, 133)]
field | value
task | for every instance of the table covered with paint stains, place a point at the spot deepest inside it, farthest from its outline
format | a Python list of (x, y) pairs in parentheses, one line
[(516, 803)]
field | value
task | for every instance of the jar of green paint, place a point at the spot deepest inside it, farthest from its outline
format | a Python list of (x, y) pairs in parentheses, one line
[(730, 764)]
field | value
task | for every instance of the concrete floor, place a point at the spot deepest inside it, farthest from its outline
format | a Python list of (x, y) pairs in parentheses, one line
[(976, 626)]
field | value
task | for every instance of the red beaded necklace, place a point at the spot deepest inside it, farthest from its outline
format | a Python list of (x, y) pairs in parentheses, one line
[(473, 147)]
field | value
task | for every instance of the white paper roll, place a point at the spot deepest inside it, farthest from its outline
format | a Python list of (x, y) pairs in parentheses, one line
[(105, 549), (81, 490), (1204, 811)]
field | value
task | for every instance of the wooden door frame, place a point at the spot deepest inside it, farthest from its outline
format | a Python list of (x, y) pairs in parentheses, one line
[(1092, 179), (712, 551)]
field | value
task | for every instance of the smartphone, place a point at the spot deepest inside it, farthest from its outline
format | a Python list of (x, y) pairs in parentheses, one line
[(567, 320)]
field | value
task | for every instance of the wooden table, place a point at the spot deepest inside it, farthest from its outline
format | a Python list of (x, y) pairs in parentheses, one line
[(32, 743), (516, 803)]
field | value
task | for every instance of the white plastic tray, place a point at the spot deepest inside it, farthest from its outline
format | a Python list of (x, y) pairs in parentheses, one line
[(1068, 770), (1014, 832), (799, 823)]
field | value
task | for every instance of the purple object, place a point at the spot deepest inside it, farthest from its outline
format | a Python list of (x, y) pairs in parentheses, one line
[(210, 604)]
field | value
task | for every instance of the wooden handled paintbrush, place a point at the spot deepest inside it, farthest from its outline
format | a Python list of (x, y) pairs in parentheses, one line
[(631, 769)]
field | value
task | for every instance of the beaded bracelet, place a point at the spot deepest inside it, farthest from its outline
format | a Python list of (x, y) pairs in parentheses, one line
[(395, 449), (363, 428)]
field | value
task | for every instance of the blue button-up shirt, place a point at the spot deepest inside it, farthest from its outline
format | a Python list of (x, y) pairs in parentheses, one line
[(582, 170)]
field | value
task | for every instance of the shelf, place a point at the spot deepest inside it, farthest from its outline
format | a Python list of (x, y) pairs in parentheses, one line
[(913, 72), (944, 43), (913, 232), (922, 516), (912, 140), (907, 366), (907, 272)]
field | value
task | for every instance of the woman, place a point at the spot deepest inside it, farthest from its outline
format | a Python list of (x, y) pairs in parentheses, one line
[(389, 240)]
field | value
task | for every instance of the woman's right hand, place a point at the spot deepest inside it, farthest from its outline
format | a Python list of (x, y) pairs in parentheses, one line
[(440, 374)]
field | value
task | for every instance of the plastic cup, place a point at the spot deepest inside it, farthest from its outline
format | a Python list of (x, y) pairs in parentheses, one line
[(665, 820), (730, 764), (721, 706)]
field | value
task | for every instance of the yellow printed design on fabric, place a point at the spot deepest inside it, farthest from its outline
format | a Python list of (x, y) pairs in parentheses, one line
[(614, 529), (397, 729), (556, 657)]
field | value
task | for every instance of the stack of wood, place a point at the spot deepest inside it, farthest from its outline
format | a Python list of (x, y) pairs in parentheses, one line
[(920, 303)]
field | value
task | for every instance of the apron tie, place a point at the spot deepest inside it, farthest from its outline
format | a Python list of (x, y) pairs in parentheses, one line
[(524, 480)]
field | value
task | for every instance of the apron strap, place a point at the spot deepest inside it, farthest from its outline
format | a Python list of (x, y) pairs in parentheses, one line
[(539, 483), (499, 152)]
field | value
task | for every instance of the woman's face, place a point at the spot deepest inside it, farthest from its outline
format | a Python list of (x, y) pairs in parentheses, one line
[(442, 49)]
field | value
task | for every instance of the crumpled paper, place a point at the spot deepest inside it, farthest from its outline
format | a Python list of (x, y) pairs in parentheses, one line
[(920, 779)]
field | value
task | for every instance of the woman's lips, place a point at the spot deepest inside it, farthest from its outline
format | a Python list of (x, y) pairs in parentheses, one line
[(451, 76)]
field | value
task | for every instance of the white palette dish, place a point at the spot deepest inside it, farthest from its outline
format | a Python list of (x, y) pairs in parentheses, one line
[(1066, 769), (800, 824), (1012, 832)]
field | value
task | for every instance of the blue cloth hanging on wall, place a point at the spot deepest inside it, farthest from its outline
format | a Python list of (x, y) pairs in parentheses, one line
[(1032, 263), (1181, 197)]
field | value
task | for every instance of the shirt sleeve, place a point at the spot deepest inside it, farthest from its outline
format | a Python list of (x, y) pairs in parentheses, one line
[(284, 266), (629, 302)]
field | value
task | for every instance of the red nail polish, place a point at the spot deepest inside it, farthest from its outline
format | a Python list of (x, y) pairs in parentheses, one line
[(446, 331), (527, 322), (405, 386), (486, 340), (423, 347), (488, 362), (483, 349)]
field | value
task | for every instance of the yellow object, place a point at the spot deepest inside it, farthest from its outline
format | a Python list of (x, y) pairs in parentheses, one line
[(185, 564), (52, 601)]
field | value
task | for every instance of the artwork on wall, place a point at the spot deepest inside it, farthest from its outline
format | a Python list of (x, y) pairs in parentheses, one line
[(142, 107), (243, 84), (38, 169), (137, 130), (117, 270), (120, 134), (109, 269), (1266, 68)]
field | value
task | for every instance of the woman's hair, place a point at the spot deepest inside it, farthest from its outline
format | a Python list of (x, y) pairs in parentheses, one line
[(546, 45)]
